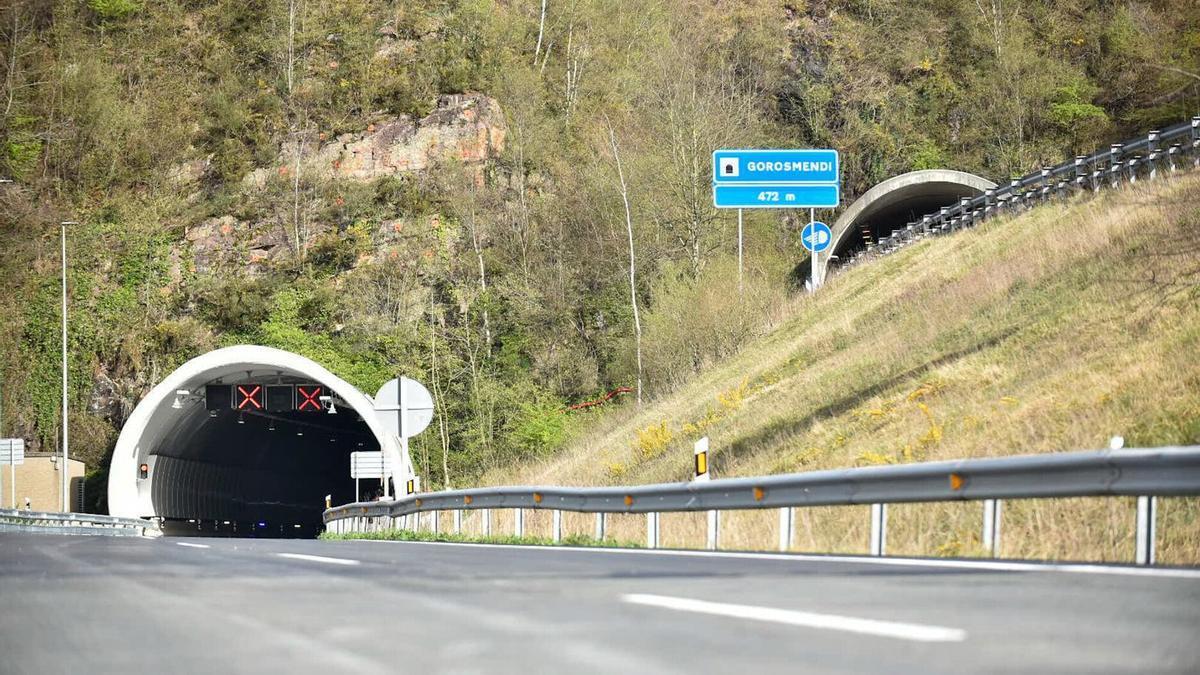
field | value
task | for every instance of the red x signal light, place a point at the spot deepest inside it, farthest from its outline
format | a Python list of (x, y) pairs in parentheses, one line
[(249, 397), (309, 398)]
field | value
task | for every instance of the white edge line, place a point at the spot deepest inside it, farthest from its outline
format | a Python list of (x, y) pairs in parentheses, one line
[(191, 545), (891, 629), (987, 565), (318, 558)]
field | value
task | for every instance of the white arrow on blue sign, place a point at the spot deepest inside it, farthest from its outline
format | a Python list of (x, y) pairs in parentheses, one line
[(816, 237)]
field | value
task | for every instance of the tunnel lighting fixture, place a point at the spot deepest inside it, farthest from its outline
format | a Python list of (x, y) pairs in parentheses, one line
[(212, 413), (296, 525), (271, 426), (241, 418), (262, 524), (299, 432)]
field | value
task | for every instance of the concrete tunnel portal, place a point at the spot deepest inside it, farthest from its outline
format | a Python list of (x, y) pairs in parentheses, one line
[(245, 441), (897, 201)]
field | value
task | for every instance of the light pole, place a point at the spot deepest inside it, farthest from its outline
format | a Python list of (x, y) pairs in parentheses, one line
[(66, 497), (13, 468)]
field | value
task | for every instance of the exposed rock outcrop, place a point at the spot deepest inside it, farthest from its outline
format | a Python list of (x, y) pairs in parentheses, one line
[(468, 128)]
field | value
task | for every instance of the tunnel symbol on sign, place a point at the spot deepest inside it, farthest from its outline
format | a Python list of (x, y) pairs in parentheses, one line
[(248, 397), (310, 398), (729, 167)]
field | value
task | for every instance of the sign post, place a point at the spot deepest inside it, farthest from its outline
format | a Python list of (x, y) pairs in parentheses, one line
[(816, 237), (12, 453), (778, 179)]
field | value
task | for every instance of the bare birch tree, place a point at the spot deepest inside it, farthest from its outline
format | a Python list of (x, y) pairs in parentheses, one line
[(637, 323)]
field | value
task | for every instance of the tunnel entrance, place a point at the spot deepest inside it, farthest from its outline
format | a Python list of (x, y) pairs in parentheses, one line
[(244, 441), (896, 202), (257, 472)]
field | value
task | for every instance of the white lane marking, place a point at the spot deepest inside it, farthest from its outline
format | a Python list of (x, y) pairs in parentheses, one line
[(892, 629), (191, 545), (318, 558), (970, 565)]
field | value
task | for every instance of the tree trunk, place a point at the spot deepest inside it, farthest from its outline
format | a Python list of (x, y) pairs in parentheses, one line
[(637, 324)]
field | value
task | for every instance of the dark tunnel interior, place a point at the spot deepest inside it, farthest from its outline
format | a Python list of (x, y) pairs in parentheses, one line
[(233, 473), (900, 208)]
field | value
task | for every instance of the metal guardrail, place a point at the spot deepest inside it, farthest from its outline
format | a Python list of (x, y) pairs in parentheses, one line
[(15, 520), (1122, 162), (1142, 473)]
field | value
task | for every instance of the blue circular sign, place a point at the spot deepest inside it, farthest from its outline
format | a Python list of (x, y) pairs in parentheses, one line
[(816, 237)]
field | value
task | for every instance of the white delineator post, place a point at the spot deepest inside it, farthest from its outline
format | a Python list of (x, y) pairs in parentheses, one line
[(701, 473)]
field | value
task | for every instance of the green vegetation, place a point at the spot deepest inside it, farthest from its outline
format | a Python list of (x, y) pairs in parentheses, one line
[(427, 535), (502, 284)]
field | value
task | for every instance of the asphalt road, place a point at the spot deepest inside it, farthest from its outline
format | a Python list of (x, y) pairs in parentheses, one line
[(71, 604)]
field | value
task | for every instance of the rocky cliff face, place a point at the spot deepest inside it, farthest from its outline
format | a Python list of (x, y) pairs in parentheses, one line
[(468, 128)]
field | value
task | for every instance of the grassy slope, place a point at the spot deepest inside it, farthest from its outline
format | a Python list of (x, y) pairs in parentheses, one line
[(1049, 331)]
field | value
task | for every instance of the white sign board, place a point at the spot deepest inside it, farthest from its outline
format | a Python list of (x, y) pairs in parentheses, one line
[(12, 451), (404, 407), (369, 465)]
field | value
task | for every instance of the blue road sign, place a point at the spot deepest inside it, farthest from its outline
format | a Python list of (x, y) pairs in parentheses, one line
[(816, 237), (775, 166), (776, 196)]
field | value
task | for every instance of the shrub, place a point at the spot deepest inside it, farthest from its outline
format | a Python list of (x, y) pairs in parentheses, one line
[(111, 10)]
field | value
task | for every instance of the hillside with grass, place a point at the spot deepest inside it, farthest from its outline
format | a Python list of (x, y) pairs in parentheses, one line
[(1051, 330)]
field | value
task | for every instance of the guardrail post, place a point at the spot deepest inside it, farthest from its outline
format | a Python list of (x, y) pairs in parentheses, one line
[(991, 526), (600, 534), (1079, 177), (557, 526), (1114, 164), (878, 529), (457, 521), (1045, 183), (651, 530), (714, 530), (786, 516), (487, 522), (1147, 508), (1014, 194), (1196, 142), (989, 203), (519, 523), (1152, 145), (435, 521)]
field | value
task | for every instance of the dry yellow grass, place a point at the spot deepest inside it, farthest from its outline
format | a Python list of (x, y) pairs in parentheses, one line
[(1052, 330)]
